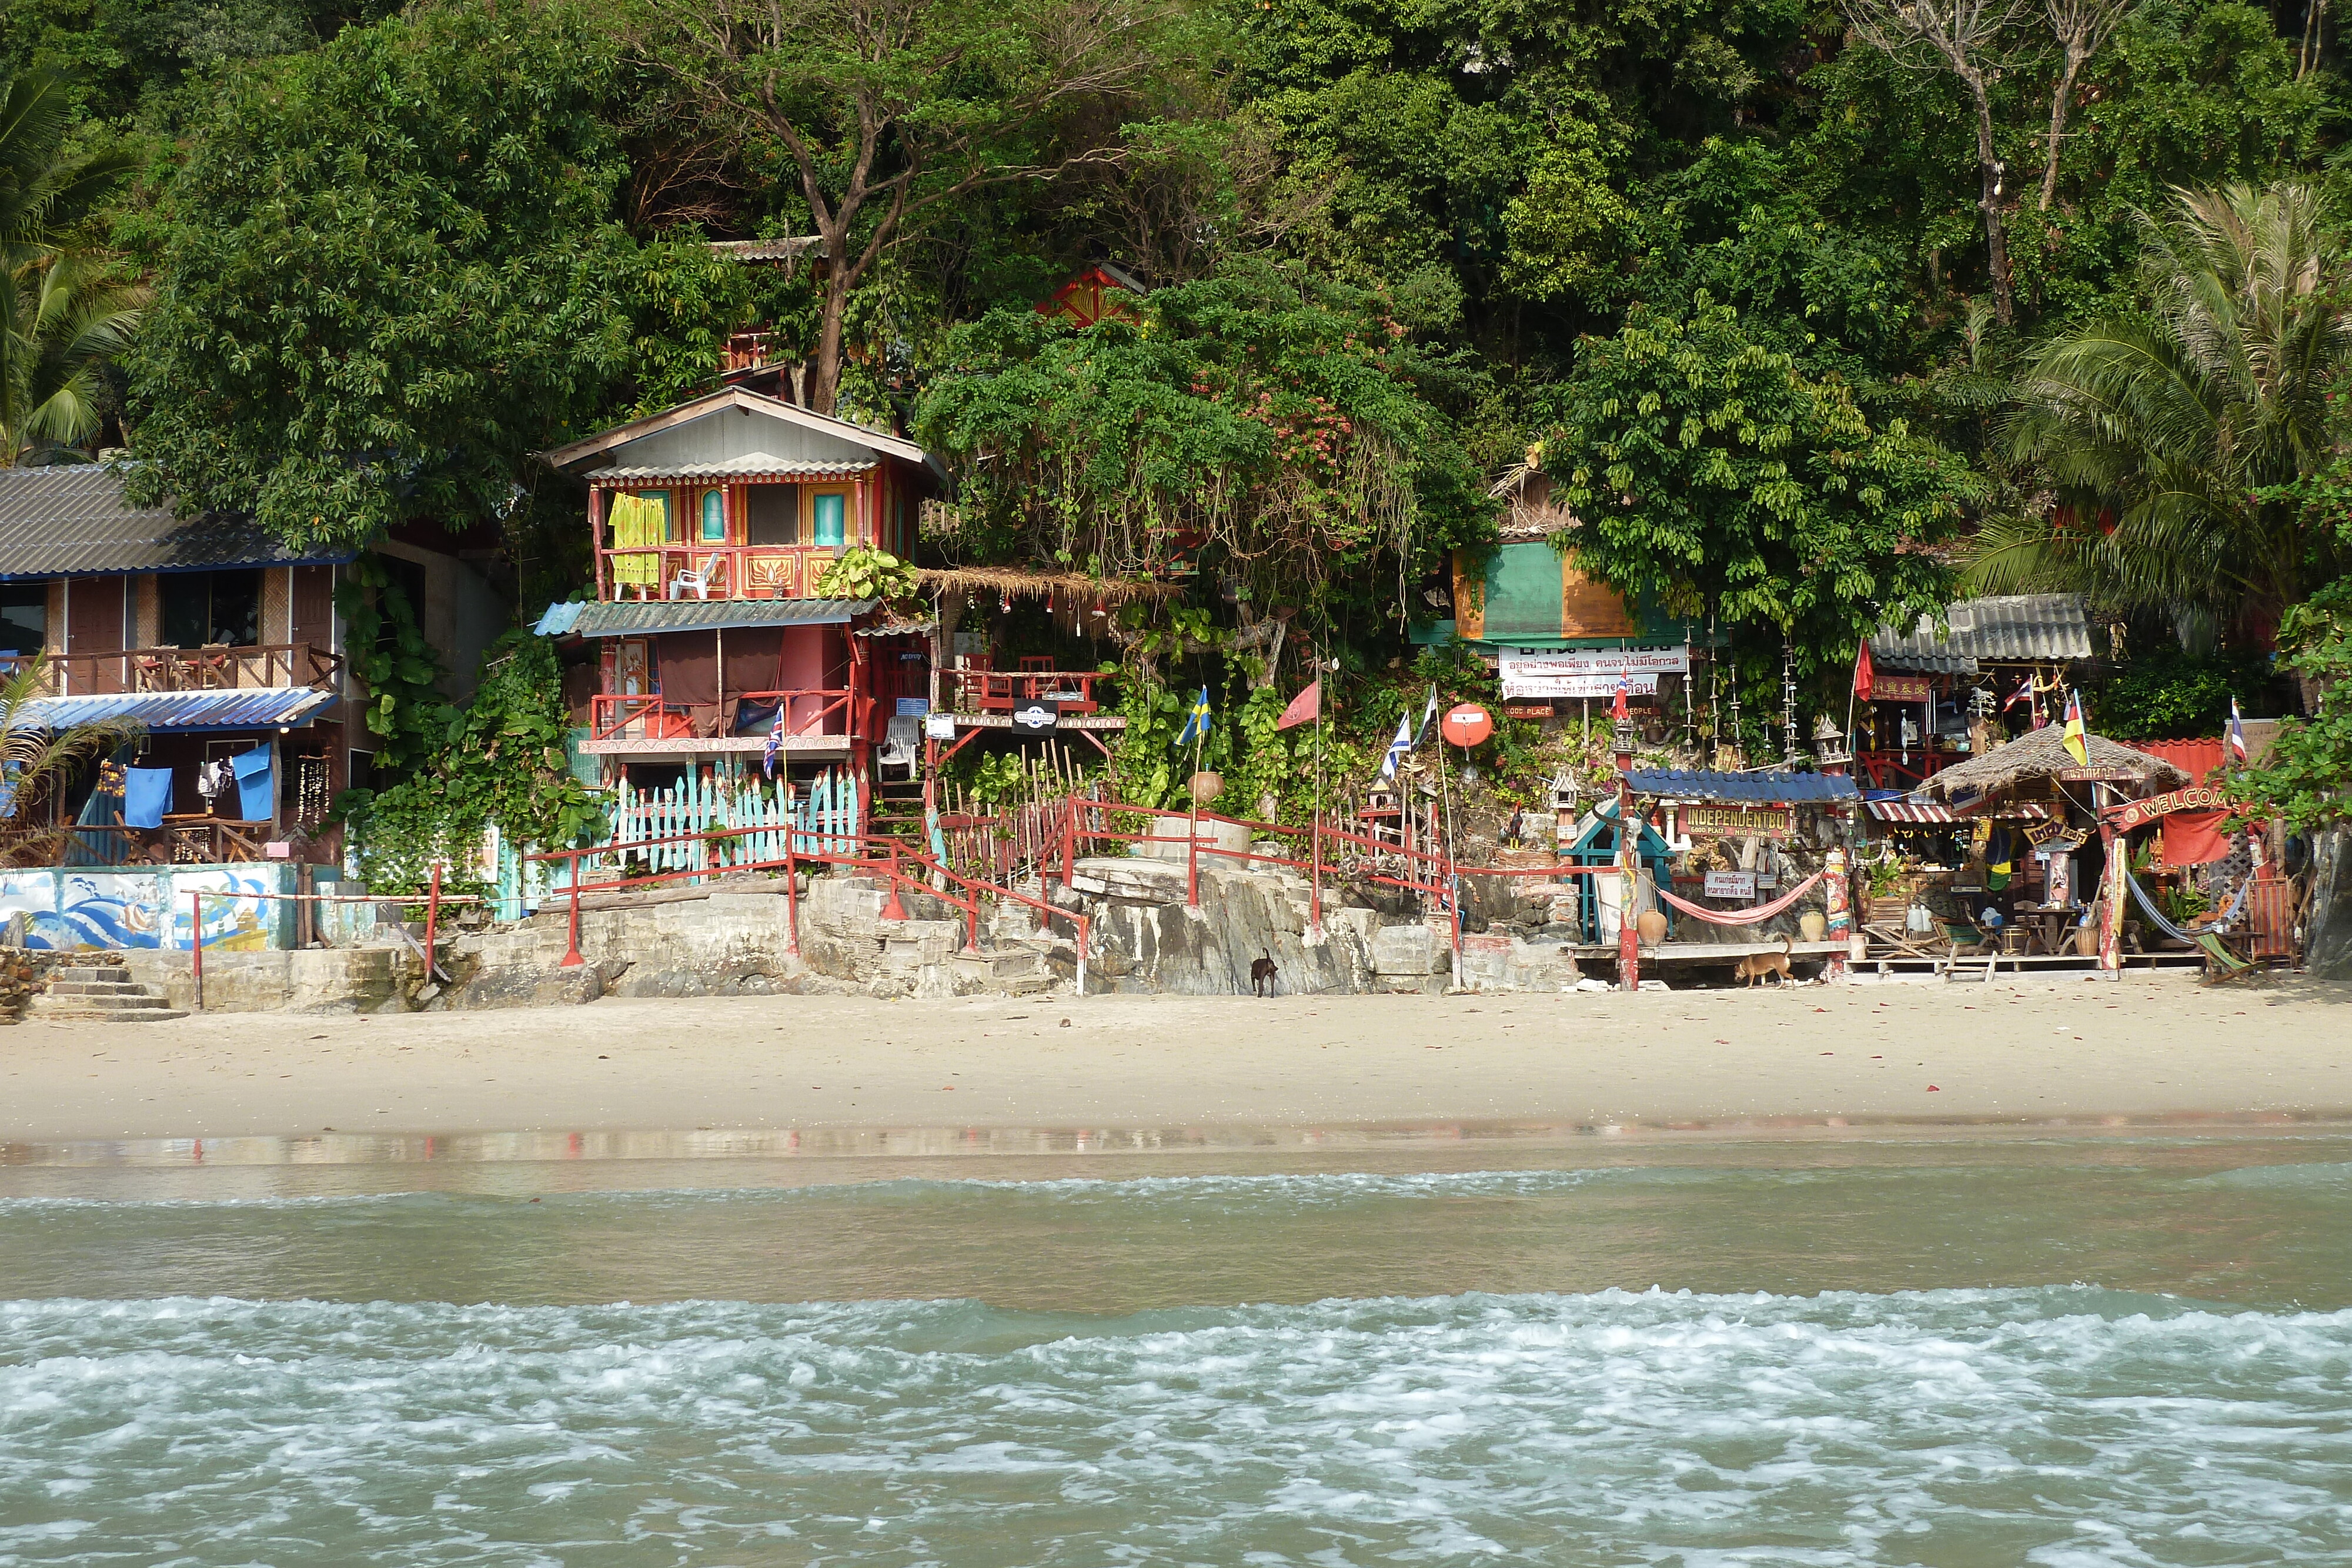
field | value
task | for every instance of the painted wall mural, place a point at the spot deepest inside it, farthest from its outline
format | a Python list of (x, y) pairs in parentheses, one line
[(79, 908)]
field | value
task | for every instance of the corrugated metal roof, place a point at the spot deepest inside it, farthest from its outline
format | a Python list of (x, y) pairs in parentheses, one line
[(759, 466), (640, 619), (2012, 627), (1774, 786), (262, 707), (71, 520)]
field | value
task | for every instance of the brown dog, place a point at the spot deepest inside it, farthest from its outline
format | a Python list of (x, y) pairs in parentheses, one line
[(1261, 975), (1755, 966)]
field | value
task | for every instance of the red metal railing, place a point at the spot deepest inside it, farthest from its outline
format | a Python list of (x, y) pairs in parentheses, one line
[(805, 712), (881, 856), (1001, 691)]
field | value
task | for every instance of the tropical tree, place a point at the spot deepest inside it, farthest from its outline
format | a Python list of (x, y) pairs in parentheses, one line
[(38, 761), (63, 320), (2169, 435), (62, 312)]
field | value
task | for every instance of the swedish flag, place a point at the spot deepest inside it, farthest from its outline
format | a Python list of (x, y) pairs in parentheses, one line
[(1196, 721)]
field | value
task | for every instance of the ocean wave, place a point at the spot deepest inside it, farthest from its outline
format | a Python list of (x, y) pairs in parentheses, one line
[(2062, 1424)]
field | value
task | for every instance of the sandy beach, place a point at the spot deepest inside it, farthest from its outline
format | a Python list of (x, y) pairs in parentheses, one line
[(2149, 1047)]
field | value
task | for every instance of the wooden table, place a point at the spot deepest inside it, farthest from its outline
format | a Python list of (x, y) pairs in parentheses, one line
[(2047, 922)]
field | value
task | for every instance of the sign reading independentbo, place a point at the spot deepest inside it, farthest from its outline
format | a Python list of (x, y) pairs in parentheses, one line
[(1588, 672), (1737, 821), (1731, 884)]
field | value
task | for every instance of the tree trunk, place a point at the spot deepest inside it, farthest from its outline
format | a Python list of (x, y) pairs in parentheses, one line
[(824, 371), (2061, 103), (1988, 173)]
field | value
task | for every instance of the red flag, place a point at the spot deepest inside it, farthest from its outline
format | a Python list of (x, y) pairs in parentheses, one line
[(1621, 713), (1864, 677), (1307, 705)]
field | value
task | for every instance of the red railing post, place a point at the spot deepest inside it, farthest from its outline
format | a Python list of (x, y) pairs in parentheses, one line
[(433, 925), (1192, 864), (971, 924), (197, 942), (1069, 840), (571, 959)]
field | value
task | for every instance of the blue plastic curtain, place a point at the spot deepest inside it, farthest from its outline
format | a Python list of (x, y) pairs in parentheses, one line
[(255, 798)]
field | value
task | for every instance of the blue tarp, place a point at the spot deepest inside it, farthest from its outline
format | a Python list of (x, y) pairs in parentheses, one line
[(255, 797), (146, 796)]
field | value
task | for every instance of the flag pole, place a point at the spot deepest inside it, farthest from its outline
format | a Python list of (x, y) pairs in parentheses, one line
[(1315, 895)]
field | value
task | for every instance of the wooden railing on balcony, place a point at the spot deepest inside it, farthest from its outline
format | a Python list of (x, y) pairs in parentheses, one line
[(615, 716), (1901, 769), (1001, 691), (218, 667), (712, 571)]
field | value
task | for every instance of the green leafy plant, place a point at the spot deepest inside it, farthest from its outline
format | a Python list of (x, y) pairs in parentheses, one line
[(863, 571), (502, 760), (2307, 776), (386, 649)]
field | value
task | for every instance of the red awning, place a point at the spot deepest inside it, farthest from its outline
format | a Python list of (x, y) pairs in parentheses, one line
[(1916, 812)]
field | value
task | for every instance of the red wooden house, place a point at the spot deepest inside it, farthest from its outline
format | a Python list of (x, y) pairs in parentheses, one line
[(713, 523)]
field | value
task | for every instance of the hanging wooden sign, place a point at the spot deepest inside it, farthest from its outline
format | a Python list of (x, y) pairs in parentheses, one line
[(1739, 822), (2196, 798), (1901, 688)]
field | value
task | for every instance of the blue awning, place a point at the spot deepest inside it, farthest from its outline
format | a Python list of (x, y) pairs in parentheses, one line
[(264, 707), (646, 618), (1772, 786)]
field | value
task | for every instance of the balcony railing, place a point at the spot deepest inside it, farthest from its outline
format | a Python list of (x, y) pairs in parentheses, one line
[(743, 715), (218, 667), (1001, 691), (712, 571)]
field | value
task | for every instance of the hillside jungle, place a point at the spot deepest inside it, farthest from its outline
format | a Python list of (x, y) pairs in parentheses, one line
[(1813, 317)]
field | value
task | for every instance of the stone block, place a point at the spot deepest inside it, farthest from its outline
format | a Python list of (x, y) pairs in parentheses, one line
[(1407, 950)]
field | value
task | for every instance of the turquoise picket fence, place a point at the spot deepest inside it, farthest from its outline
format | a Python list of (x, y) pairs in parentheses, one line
[(819, 815)]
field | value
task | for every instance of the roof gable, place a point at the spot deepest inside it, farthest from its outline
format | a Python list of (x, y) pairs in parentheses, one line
[(775, 429)]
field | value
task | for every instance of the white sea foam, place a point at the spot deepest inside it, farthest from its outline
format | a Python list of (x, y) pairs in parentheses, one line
[(2061, 1427)]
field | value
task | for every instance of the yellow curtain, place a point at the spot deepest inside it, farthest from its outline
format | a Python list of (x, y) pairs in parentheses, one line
[(637, 521)]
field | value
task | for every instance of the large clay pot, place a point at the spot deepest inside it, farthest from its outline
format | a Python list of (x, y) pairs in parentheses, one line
[(1651, 924), (1207, 787), (1814, 925)]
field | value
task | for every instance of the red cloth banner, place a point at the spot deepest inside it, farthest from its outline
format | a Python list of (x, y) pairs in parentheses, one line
[(2195, 838), (1863, 672)]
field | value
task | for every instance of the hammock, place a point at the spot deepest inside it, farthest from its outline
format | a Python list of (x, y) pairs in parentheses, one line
[(1761, 912), (2148, 907)]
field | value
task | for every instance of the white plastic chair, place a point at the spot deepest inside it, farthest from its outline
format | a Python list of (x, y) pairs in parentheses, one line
[(699, 581), (901, 742)]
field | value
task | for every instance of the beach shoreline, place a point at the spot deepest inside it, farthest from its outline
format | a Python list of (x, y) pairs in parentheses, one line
[(2148, 1048)]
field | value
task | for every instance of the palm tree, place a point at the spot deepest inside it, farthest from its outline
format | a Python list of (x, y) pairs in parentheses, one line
[(62, 309), (68, 318), (37, 762), (2162, 431)]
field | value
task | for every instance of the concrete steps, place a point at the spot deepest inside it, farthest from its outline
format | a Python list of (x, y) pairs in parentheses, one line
[(98, 992)]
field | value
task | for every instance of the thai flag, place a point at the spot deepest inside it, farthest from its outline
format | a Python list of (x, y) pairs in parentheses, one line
[(2237, 733), (2024, 693), (1619, 711)]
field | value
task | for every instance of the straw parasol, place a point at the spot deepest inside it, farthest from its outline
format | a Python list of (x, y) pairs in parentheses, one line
[(2042, 753)]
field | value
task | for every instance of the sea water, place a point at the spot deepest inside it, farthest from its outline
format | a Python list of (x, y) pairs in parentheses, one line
[(1949, 1352)]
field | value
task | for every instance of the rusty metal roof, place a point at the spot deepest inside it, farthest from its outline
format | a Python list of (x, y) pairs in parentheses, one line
[(2011, 628), (71, 520), (634, 619)]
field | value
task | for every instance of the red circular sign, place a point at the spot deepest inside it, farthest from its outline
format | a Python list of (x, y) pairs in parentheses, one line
[(1465, 725)]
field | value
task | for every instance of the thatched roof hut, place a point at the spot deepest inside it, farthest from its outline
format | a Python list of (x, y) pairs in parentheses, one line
[(2040, 755)]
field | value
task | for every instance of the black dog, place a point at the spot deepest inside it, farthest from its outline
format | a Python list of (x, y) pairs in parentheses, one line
[(1262, 973)]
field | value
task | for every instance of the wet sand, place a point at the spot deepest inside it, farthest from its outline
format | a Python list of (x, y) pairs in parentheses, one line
[(2146, 1047)]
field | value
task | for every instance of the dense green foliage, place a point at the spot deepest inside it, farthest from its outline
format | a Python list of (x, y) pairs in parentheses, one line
[(502, 761), (1277, 429), (2304, 777), (1727, 266), (394, 272), (1715, 477), (2166, 694)]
